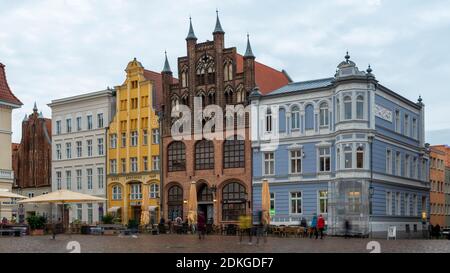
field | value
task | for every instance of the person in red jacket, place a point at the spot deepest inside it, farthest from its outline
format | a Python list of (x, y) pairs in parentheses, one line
[(320, 227)]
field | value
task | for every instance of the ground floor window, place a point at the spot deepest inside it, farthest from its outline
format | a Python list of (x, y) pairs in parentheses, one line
[(296, 203), (90, 214), (79, 212), (175, 202), (323, 201), (234, 200)]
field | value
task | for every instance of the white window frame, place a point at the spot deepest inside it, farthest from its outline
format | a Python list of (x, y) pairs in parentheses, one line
[(117, 192), (270, 161), (295, 118), (68, 179), (113, 166), (348, 103), (360, 115), (319, 198), (79, 149), (69, 150), (298, 156), (89, 174), (100, 178), (58, 127), (269, 121), (100, 147), (58, 152), (154, 191), (134, 164), (389, 169), (68, 125), (389, 203), (398, 163), (89, 122), (324, 119), (58, 180), (79, 173), (100, 121), (136, 191), (113, 141), (297, 199), (156, 163), (79, 124), (90, 151), (155, 136), (323, 157), (347, 152)]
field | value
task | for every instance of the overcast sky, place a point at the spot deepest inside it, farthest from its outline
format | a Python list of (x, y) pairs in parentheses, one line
[(58, 48)]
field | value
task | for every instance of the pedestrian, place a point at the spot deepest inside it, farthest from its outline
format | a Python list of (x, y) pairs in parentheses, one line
[(347, 228), (245, 227), (201, 225), (313, 230), (304, 225), (320, 227), (437, 231), (263, 223)]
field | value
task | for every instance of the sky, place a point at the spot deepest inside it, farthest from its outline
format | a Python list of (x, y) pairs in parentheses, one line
[(58, 48)]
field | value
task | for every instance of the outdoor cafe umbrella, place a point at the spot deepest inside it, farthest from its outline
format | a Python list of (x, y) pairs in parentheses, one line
[(7, 194), (145, 215), (192, 204), (265, 204), (63, 197)]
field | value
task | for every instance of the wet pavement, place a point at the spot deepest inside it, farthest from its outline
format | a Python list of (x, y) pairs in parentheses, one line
[(212, 244)]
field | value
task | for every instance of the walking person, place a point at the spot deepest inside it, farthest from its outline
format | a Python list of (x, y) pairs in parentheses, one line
[(201, 225), (245, 227), (313, 230), (347, 228), (263, 220), (320, 227), (304, 225)]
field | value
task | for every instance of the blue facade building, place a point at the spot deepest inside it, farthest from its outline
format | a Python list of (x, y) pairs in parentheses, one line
[(346, 147)]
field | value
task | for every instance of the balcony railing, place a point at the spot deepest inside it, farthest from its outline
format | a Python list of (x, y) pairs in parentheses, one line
[(6, 174)]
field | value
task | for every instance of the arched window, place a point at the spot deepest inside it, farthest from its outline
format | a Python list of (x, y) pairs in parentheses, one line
[(323, 115), (282, 120), (228, 70), (233, 153), (360, 107), (211, 74), (205, 68), (228, 95), (240, 94), (117, 192), (295, 118), (175, 102), (269, 120), (176, 156), (309, 117), (185, 99), (360, 157), (154, 191), (202, 96), (347, 108), (212, 97), (234, 199), (135, 191), (205, 194), (204, 155), (184, 77), (175, 202)]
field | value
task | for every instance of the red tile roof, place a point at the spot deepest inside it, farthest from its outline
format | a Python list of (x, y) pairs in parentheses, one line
[(267, 78), (5, 93), (157, 81)]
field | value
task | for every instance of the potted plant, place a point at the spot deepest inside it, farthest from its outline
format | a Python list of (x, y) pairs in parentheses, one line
[(37, 224), (108, 219)]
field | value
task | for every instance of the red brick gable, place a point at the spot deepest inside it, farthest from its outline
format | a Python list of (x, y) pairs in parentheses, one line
[(156, 78), (5, 93)]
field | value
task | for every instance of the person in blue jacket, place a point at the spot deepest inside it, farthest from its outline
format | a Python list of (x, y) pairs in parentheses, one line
[(313, 230)]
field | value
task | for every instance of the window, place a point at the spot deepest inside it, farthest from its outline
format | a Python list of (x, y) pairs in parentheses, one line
[(407, 166), (124, 165), (398, 204), (323, 201), (348, 157), (124, 140), (388, 161), (414, 128), (204, 155), (136, 192), (323, 114), (295, 118), (100, 120), (89, 179), (79, 212), (233, 201), (184, 78), (398, 162), (89, 147), (134, 138), (58, 127), (58, 180), (269, 164), (407, 205), (90, 214), (388, 203), (175, 202), (134, 164), (79, 127), (100, 146), (117, 192), (338, 159), (354, 201), (134, 84), (415, 205), (155, 136), (324, 160), (272, 203), (113, 166), (269, 120), (79, 180), (68, 125), (296, 161), (360, 107), (134, 103), (176, 156), (69, 180), (89, 122), (144, 137), (100, 179), (406, 125), (113, 141), (360, 157), (397, 121), (145, 163), (234, 153), (69, 150), (79, 149), (347, 108), (156, 161), (154, 191), (228, 71), (338, 110), (228, 96), (309, 117), (58, 152), (296, 203)]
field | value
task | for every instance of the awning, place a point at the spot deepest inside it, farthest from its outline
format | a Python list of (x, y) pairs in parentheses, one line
[(113, 209), (152, 208)]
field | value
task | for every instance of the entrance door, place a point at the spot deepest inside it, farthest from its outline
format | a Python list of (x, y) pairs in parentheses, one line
[(136, 213), (208, 210)]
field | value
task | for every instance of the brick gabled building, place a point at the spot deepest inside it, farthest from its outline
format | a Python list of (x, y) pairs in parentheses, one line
[(221, 169)]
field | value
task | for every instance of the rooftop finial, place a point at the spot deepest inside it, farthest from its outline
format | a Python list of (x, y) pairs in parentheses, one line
[(347, 57), (191, 34), (35, 109), (420, 99), (369, 70), (248, 51), (218, 28), (166, 68)]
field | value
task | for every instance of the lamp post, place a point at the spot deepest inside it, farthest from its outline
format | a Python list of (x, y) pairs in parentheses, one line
[(371, 189)]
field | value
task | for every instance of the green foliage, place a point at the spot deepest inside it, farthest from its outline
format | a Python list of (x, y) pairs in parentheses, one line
[(133, 224), (37, 222), (108, 219)]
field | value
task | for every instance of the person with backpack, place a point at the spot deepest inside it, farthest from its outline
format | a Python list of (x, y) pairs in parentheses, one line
[(313, 230), (320, 227)]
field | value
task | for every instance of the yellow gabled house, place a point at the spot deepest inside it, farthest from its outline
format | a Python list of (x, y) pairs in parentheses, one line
[(133, 180)]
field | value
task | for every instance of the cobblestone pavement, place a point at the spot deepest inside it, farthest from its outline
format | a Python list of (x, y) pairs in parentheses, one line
[(212, 244)]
